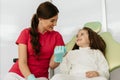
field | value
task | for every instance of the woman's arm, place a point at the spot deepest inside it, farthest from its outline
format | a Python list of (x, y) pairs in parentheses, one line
[(57, 57), (53, 64), (22, 55)]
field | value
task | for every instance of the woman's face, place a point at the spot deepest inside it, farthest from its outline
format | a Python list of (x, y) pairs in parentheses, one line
[(48, 24), (82, 38)]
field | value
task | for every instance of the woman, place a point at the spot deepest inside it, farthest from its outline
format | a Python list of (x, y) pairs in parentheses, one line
[(36, 46)]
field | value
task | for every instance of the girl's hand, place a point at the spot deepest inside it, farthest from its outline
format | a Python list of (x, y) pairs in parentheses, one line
[(91, 74)]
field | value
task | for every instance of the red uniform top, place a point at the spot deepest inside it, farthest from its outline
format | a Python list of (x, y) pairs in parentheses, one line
[(48, 41)]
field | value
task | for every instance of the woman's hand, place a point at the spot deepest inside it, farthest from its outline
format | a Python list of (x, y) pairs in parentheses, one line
[(91, 74), (57, 57), (59, 52)]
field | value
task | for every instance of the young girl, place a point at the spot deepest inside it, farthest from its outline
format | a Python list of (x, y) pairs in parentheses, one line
[(86, 61)]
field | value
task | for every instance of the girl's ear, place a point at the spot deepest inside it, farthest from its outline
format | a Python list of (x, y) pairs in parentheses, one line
[(91, 42)]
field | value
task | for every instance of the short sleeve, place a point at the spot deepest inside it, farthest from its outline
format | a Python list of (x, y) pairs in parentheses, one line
[(59, 40), (23, 37)]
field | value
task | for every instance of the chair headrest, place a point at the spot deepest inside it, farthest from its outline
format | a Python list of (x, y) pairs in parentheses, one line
[(95, 26)]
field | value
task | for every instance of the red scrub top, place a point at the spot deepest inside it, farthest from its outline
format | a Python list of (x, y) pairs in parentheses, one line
[(48, 41)]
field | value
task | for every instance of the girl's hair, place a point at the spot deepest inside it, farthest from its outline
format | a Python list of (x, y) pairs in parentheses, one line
[(45, 10), (96, 41)]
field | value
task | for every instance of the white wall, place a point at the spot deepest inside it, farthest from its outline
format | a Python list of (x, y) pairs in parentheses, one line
[(113, 18), (16, 15), (75, 13)]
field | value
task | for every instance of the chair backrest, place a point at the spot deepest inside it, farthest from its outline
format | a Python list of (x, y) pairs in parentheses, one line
[(95, 26), (112, 50)]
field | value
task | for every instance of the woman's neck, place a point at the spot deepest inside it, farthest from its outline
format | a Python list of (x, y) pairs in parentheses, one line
[(41, 29)]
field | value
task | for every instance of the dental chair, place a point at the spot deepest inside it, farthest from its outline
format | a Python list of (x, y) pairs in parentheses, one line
[(112, 49), (112, 55)]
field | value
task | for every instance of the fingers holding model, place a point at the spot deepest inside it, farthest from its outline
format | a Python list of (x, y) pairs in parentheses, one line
[(59, 52)]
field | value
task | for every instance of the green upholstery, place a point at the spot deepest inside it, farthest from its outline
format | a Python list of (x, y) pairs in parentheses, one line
[(70, 44), (112, 50), (95, 26)]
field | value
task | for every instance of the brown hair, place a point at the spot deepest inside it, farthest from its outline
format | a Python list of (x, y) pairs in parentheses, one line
[(96, 41), (45, 10)]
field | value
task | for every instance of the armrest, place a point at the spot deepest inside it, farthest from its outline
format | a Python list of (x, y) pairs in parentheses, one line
[(51, 73), (115, 74), (15, 59)]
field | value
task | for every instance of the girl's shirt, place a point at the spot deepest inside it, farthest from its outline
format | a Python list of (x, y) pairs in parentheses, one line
[(78, 62), (48, 41)]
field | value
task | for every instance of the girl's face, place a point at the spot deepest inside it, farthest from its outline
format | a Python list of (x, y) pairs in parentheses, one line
[(48, 24), (82, 39)]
